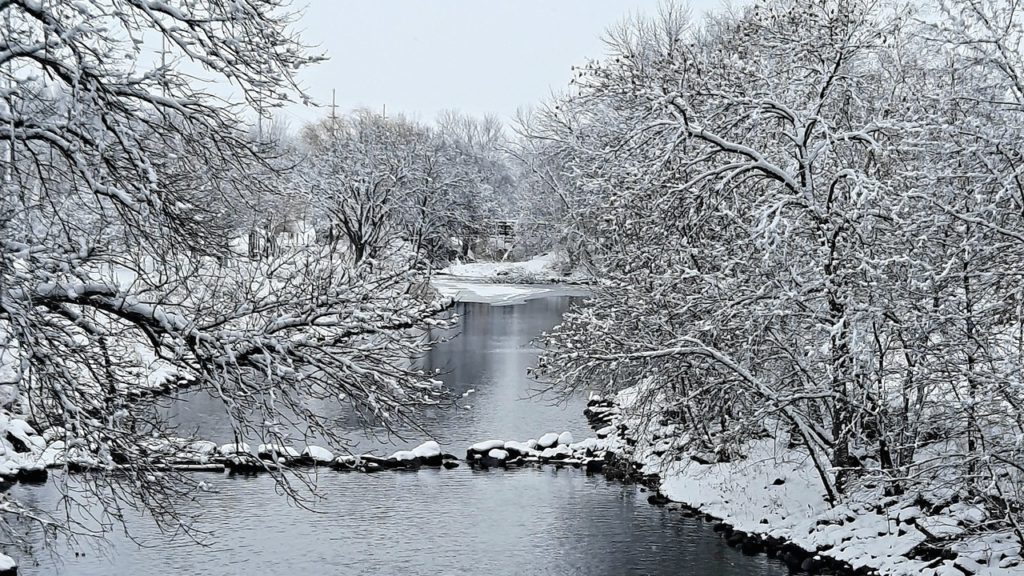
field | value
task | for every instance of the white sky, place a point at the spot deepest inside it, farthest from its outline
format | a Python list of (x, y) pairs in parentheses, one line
[(478, 56)]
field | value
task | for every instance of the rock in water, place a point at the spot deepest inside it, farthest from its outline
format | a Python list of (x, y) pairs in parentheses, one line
[(274, 452), (403, 456), (202, 447), (427, 449), (483, 447), (548, 440), (346, 463), (317, 455), (232, 449), (429, 453)]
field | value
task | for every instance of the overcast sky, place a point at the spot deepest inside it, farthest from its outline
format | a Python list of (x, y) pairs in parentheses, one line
[(478, 56)]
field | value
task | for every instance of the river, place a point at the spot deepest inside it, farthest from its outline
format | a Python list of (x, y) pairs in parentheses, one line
[(429, 522)]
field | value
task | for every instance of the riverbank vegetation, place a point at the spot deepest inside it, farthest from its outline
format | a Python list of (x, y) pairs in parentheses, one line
[(807, 218)]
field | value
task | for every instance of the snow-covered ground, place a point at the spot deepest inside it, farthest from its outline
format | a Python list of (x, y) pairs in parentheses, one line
[(476, 291), (775, 492), (504, 283), (540, 268)]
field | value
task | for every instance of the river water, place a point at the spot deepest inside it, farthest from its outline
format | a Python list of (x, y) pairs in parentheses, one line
[(428, 522)]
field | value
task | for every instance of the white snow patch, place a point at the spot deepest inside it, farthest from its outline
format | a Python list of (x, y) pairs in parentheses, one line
[(231, 449), (538, 265), (482, 293), (278, 449), (54, 454), (520, 447), (403, 456), (318, 454), (487, 445), (202, 447), (548, 440), (428, 449), (498, 454)]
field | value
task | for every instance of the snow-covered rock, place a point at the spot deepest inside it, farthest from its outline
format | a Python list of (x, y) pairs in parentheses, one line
[(565, 438), (233, 449), (589, 452), (318, 454), (547, 441), (403, 456), (347, 462), (519, 448), (483, 447), (55, 433), (498, 454), (202, 448), (559, 452), (588, 444), (429, 449), (54, 454), (8, 567), (277, 451)]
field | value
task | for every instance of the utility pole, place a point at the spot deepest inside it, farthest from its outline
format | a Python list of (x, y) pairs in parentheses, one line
[(163, 64), (334, 116)]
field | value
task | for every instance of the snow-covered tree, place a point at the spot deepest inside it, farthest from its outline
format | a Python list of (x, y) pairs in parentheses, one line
[(807, 216), (124, 178), (361, 168), (373, 178)]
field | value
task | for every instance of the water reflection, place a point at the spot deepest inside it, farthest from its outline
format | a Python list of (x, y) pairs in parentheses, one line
[(488, 354), (532, 521)]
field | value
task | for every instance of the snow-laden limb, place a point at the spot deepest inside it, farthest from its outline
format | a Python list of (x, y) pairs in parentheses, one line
[(250, 323)]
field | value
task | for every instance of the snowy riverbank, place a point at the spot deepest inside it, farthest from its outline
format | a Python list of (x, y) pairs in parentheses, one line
[(547, 268), (773, 496), (479, 292), (540, 269), (506, 283)]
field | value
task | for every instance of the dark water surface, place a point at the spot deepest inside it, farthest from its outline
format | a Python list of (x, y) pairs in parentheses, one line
[(429, 522), (486, 357)]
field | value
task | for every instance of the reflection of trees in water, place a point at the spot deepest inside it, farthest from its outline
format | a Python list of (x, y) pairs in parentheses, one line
[(490, 351)]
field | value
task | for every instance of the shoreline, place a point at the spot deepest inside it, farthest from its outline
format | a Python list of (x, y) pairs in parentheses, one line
[(891, 536), (886, 537)]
